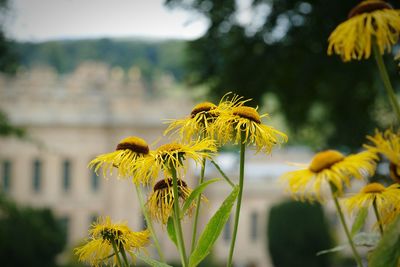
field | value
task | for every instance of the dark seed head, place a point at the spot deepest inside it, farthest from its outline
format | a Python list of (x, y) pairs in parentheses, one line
[(202, 107), (135, 144), (167, 183), (247, 113), (368, 6)]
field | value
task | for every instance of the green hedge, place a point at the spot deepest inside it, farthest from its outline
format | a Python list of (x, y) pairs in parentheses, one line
[(296, 232)]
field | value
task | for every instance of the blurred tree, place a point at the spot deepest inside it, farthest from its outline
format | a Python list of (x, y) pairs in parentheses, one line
[(6, 129), (279, 46), (8, 56), (296, 231), (150, 57), (29, 237), (8, 64)]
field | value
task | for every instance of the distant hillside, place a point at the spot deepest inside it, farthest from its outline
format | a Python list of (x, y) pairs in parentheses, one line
[(151, 57)]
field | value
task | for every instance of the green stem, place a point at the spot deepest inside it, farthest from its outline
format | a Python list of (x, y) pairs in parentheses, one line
[(346, 230), (124, 256), (378, 217), (223, 174), (198, 202), (239, 199), (116, 253), (177, 222), (386, 81), (149, 222)]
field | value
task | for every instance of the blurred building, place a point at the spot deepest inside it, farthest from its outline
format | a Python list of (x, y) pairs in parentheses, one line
[(72, 118)]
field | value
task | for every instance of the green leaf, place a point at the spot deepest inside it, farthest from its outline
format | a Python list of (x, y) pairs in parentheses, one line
[(364, 239), (359, 221), (171, 231), (332, 250), (151, 261), (213, 229), (195, 193), (361, 239), (387, 252)]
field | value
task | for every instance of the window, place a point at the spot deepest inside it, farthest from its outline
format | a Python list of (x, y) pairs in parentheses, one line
[(227, 230), (37, 175), (66, 175), (254, 226), (6, 176), (95, 181)]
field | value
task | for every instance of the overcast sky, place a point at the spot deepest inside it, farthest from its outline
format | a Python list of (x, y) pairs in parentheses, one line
[(39, 20)]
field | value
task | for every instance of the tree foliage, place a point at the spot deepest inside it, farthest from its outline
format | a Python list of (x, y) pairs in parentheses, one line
[(65, 55), (6, 129), (8, 56), (296, 232), (8, 64), (29, 237), (282, 50)]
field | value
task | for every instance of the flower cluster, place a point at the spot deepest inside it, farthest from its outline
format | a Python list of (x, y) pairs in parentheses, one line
[(196, 137), (372, 27), (206, 126)]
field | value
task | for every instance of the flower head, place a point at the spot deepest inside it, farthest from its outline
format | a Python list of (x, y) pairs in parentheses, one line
[(370, 21), (161, 200), (103, 234), (172, 156), (199, 123), (329, 167), (196, 125), (125, 156), (243, 120), (388, 144), (386, 198)]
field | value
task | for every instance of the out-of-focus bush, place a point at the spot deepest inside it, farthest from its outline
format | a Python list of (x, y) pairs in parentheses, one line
[(28, 236), (296, 232)]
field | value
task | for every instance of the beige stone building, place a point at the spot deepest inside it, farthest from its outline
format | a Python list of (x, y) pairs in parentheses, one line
[(72, 118)]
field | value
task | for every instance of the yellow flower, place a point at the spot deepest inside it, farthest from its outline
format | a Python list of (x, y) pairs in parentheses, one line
[(386, 198), (161, 200), (389, 216), (99, 248), (239, 119), (172, 155), (370, 21), (329, 167), (125, 158), (198, 123), (387, 144)]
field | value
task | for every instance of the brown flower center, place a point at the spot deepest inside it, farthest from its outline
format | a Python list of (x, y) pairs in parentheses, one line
[(202, 107), (325, 159), (373, 188), (248, 113), (167, 183), (368, 6), (394, 172), (173, 147), (135, 144)]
